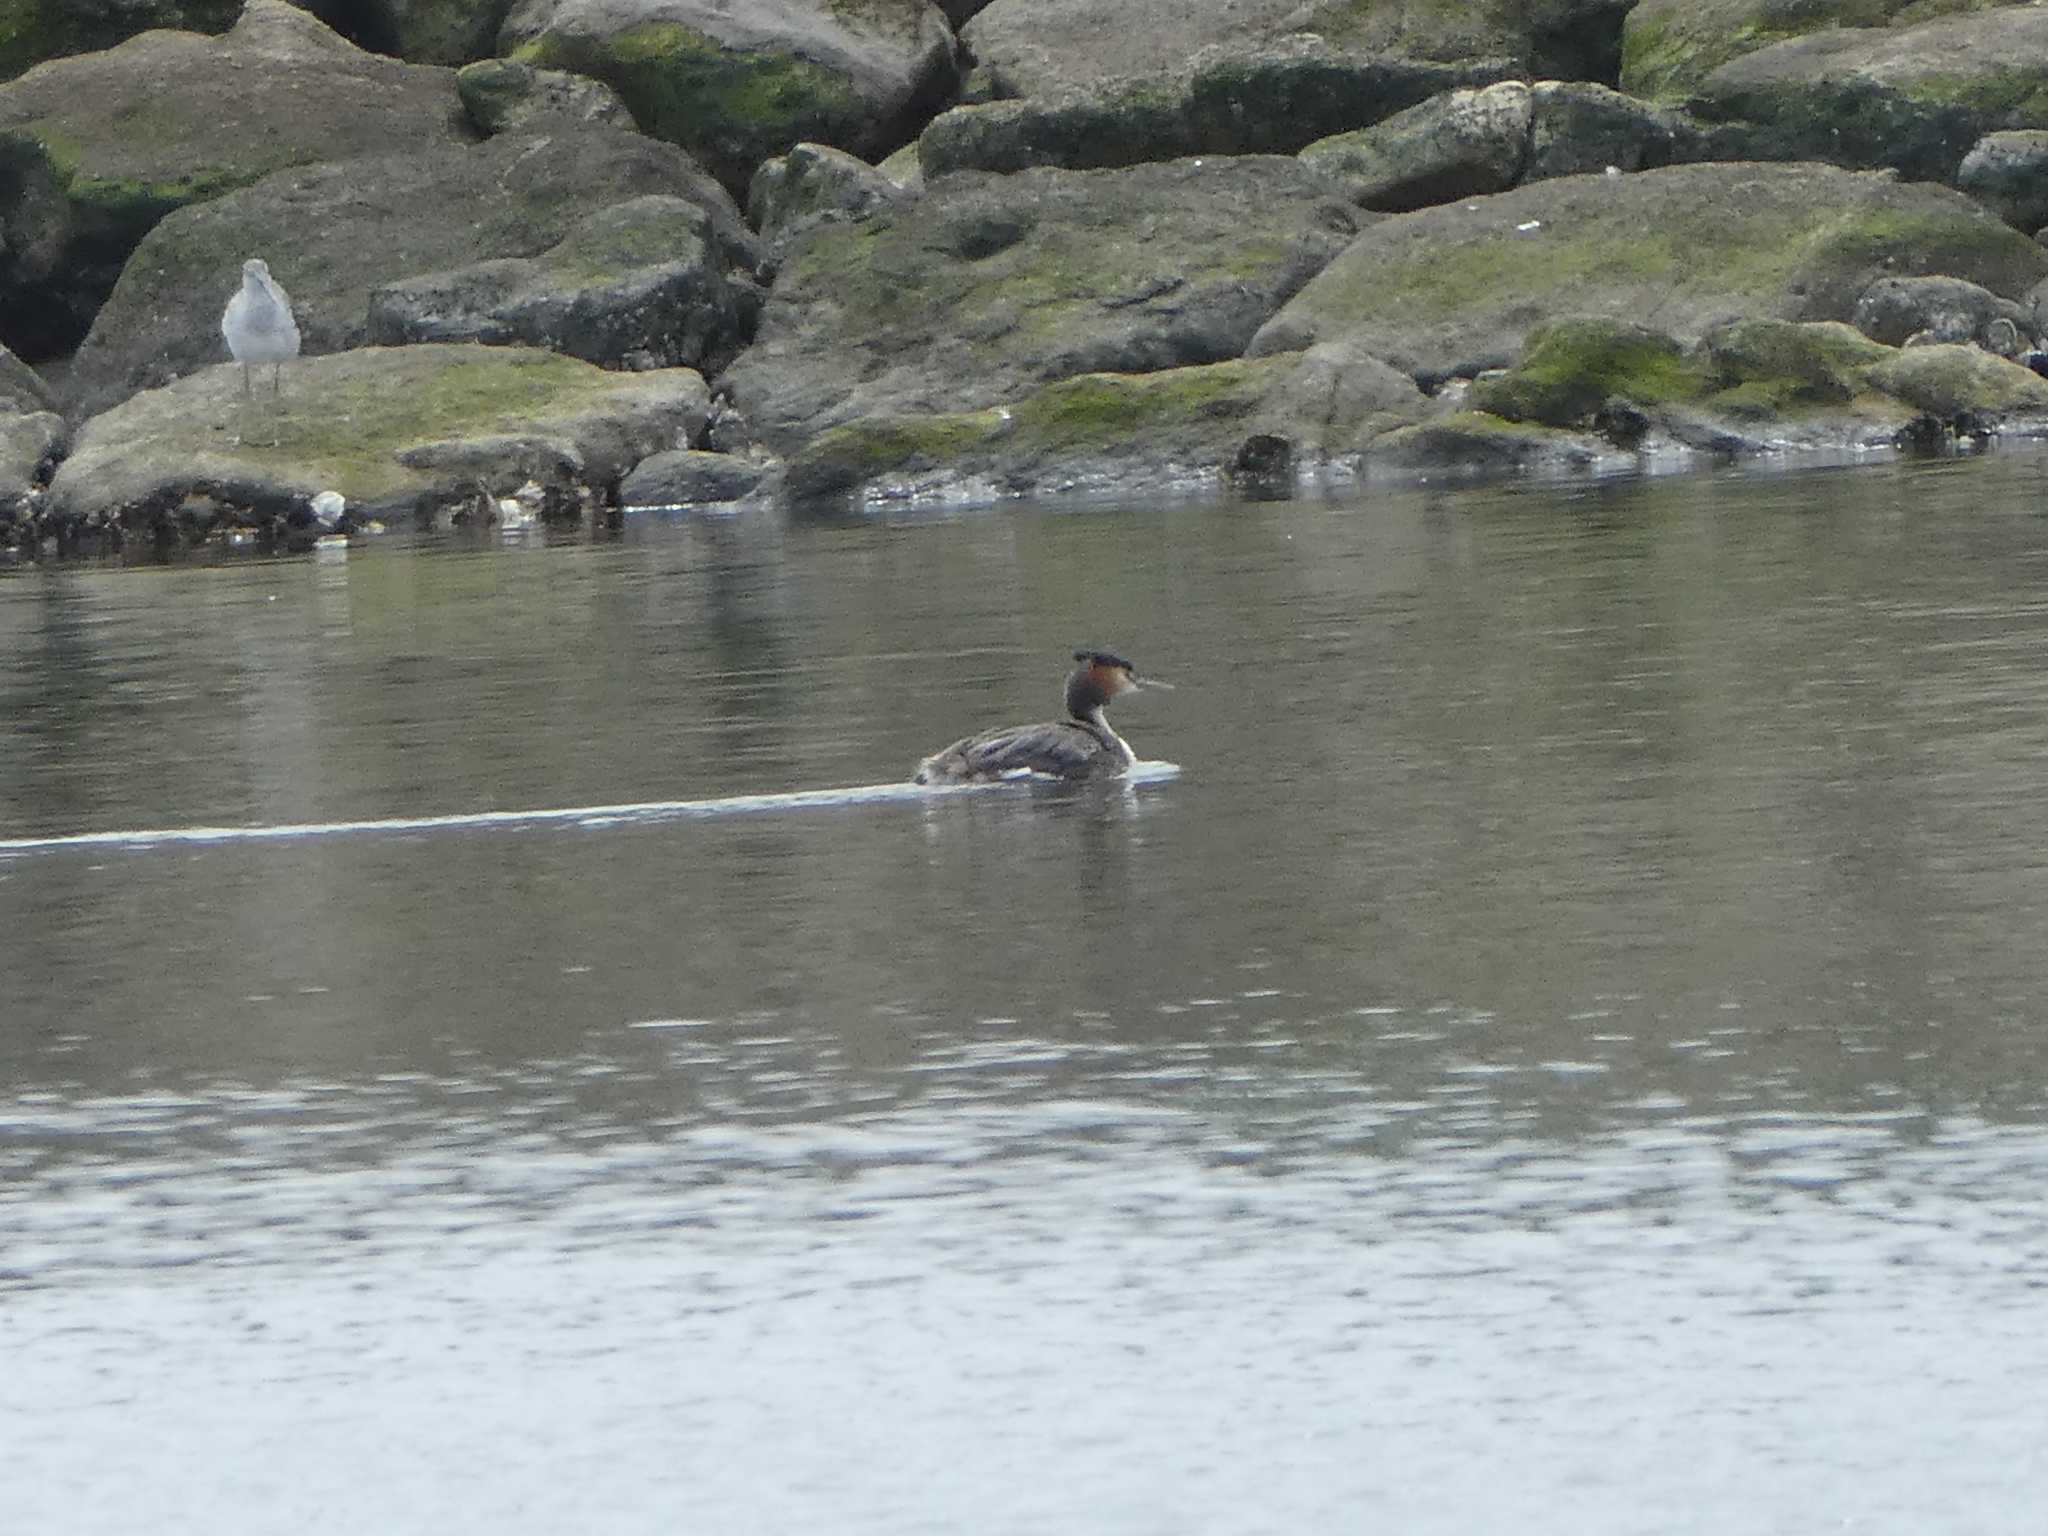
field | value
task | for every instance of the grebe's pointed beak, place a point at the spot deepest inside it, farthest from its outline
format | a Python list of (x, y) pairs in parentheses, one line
[(1152, 682)]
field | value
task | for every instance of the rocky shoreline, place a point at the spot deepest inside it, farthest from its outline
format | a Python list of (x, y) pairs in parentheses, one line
[(568, 257)]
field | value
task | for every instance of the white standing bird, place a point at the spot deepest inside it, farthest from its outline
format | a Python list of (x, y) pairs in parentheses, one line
[(258, 324)]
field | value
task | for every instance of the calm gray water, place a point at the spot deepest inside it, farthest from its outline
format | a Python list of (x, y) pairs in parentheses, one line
[(1566, 1055)]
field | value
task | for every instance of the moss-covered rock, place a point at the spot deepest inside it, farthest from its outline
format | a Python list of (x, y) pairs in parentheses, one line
[(1911, 98), (1576, 126), (1669, 47), (1739, 388), (453, 32), (1047, 48), (391, 429), (1458, 144), (95, 150), (32, 31), (336, 233), (1454, 290), (1959, 381), (637, 285), (1468, 143), (1478, 443), (1098, 431), (815, 184), (988, 286), (690, 477), (502, 96), (735, 86), (1787, 366), (1895, 309), (1571, 367), (1272, 100)]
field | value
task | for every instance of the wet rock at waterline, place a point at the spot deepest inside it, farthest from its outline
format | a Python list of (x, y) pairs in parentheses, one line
[(1453, 290), (394, 430), (100, 147), (1261, 426), (638, 285), (738, 85), (336, 233), (988, 286), (1097, 432), (689, 477), (1960, 383)]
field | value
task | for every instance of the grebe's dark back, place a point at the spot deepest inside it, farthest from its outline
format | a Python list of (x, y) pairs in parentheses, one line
[(1082, 746)]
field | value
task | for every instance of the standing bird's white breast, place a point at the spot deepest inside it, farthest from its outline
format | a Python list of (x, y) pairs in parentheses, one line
[(258, 321)]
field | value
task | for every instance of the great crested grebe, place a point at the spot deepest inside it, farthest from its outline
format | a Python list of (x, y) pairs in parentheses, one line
[(1082, 746)]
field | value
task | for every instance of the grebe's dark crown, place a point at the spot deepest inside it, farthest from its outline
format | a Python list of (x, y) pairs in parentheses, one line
[(1103, 659)]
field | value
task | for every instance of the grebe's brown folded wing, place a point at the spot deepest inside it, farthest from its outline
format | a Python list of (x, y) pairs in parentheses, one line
[(1059, 749)]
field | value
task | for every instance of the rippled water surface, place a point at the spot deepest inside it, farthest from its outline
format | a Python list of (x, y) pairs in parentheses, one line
[(1565, 1055)]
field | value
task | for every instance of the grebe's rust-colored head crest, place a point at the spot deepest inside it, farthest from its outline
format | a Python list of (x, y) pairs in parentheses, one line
[(1098, 677)]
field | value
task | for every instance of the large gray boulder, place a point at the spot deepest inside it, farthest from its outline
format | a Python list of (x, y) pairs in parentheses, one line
[(735, 85), (32, 434), (1669, 47), (1913, 98), (100, 147), (1467, 143), (1895, 310), (639, 285), (334, 234), (2008, 173), (1262, 426), (1453, 290), (392, 429), (1047, 48), (690, 477), (1273, 99), (990, 285), (814, 184)]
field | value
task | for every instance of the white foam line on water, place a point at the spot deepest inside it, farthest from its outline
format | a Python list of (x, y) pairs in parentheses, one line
[(581, 815)]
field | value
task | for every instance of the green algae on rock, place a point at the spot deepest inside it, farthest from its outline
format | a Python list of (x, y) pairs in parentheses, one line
[(1093, 431), (988, 286), (393, 429), (635, 285), (737, 87), (1455, 289), (1047, 48), (1669, 47), (1911, 98), (1956, 380), (1571, 367), (1275, 100), (502, 96)]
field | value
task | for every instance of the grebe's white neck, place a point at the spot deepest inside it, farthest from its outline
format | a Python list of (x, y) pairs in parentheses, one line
[(1095, 722)]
